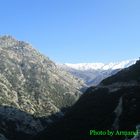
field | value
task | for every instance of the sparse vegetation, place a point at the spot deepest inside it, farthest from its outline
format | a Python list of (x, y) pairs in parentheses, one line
[(32, 83)]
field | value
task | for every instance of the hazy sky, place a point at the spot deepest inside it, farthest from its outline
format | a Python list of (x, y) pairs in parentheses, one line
[(75, 30)]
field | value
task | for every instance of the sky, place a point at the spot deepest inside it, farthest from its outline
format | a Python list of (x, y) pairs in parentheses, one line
[(75, 31)]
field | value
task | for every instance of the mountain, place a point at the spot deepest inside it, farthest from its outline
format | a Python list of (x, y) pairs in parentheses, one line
[(113, 105), (93, 73), (31, 87)]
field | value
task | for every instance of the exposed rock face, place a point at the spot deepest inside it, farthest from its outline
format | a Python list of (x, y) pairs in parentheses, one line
[(32, 83), (113, 105)]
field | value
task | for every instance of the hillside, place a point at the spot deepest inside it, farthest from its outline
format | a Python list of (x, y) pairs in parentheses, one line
[(129, 74), (31, 84), (113, 105)]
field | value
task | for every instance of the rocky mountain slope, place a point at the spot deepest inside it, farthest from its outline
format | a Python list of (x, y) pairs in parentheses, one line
[(113, 105), (31, 87), (93, 73)]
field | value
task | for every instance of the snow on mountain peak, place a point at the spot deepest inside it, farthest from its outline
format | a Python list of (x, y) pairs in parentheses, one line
[(94, 73), (85, 66), (98, 66)]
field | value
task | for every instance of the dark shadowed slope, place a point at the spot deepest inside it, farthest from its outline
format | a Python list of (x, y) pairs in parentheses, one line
[(113, 106)]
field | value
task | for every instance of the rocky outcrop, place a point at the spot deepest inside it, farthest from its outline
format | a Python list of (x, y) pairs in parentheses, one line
[(31, 83)]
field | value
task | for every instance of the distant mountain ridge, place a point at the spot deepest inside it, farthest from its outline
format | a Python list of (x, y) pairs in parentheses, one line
[(94, 73), (103, 66)]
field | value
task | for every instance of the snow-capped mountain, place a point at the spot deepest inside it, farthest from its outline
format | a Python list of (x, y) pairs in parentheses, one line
[(97, 66), (94, 73)]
